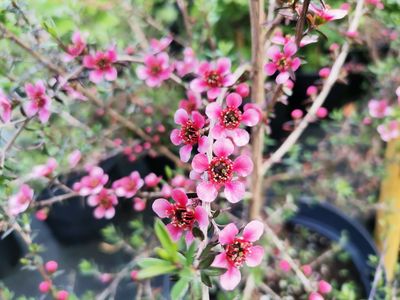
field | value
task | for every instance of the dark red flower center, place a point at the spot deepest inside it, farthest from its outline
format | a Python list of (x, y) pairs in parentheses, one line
[(40, 100), (131, 185), (213, 79), (105, 201), (94, 182), (220, 170), (183, 217), (155, 70), (103, 63), (190, 133), (282, 63), (237, 252), (231, 117)]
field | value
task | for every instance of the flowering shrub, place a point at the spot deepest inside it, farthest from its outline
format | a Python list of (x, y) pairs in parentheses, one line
[(207, 111)]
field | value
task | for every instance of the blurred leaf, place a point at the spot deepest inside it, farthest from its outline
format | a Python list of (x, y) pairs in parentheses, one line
[(179, 289), (156, 270)]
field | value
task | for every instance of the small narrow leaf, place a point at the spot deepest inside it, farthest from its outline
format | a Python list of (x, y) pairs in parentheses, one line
[(155, 270), (149, 262), (179, 289), (205, 279), (198, 233), (206, 262)]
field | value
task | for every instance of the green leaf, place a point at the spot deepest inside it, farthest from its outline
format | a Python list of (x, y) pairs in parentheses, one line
[(198, 233), (214, 271), (156, 270), (149, 262), (179, 289), (206, 262), (205, 279), (165, 239), (190, 254), (207, 249)]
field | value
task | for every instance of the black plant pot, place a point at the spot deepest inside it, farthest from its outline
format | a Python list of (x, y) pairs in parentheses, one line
[(330, 222), (11, 250), (72, 221)]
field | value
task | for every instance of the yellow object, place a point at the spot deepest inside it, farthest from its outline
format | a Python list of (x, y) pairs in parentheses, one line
[(388, 218)]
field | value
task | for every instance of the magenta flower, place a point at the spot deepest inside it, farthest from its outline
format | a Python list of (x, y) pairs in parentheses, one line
[(128, 186), (323, 15), (193, 102), (230, 118), (92, 183), (77, 47), (104, 202), (5, 108), (160, 45), (101, 64), (39, 103), (156, 69), (213, 77), (379, 108), (19, 202), (188, 64), (45, 170), (184, 213), (389, 131), (237, 251), (189, 134), (284, 62), (220, 172)]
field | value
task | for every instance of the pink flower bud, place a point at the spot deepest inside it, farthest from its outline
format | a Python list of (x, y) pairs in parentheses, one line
[(129, 50), (127, 150), (132, 157), (352, 34), (243, 90), (161, 128), (297, 114), (41, 214), (134, 275), (367, 121), (322, 112), (324, 287), (138, 149), (105, 277), (51, 266), (289, 84), (139, 204), (284, 266), (152, 180), (62, 295), (315, 296), (45, 286), (148, 110), (148, 129), (147, 145), (345, 6), (334, 47), (307, 270), (312, 90), (324, 72), (117, 142)]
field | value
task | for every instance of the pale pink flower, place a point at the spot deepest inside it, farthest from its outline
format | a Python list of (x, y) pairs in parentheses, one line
[(189, 134), (104, 202), (212, 77), (323, 15), (155, 70), (379, 108), (128, 186), (324, 287), (188, 64), (38, 103), (45, 170), (315, 296), (77, 47), (192, 103), (152, 180), (5, 108), (92, 183), (139, 204), (102, 65), (229, 119), (221, 172), (282, 61), (243, 89), (184, 213), (160, 45), (74, 157), (389, 131), (237, 251), (19, 202), (284, 265)]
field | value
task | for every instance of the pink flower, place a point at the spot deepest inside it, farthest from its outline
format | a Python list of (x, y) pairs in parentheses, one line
[(104, 202), (389, 131), (322, 112), (41, 214), (105, 277), (229, 119), (212, 77), (323, 15), (5, 108), (324, 287), (160, 45), (284, 62), (77, 47), (39, 103), (324, 72), (188, 64), (379, 108), (45, 286), (183, 214), (377, 3), (45, 170), (237, 251), (134, 275), (315, 296), (19, 202), (297, 114), (128, 186), (193, 101), (307, 270), (284, 265), (139, 204), (51, 266), (312, 90), (156, 69), (62, 295), (92, 183), (152, 180), (220, 172), (189, 134), (101, 64), (74, 157), (166, 190)]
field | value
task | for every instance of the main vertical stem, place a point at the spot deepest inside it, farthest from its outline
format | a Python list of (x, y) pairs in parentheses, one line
[(257, 22)]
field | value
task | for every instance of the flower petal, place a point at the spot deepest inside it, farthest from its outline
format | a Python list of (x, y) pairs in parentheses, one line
[(243, 165), (230, 279), (289, 49), (270, 68), (213, 93), (181, 116), (253, 231), (213, 110), (174, 232), (180, 197), (220, 261), (198, 119), (228, 234), (198, 85), (240, 137), (201, 216), (175, 138), (223, 147), (223, 65), (185, 152), (234, 191), (162, 207), (255, 256), (234, 99), (206, 191), (200, 163), (250, 117)]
